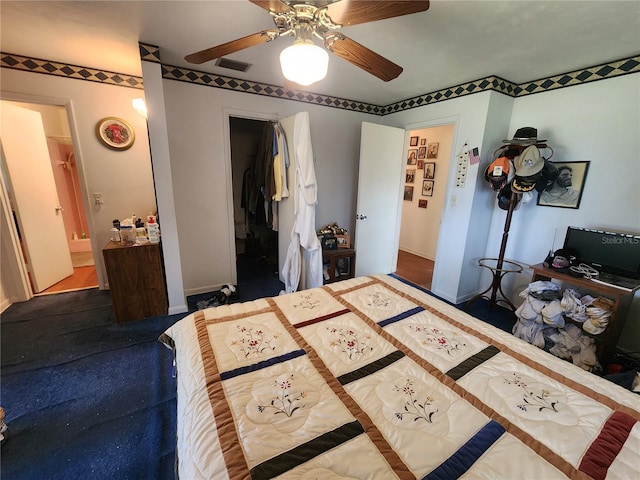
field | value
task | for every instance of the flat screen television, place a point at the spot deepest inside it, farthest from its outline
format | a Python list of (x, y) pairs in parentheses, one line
[(609, 252)]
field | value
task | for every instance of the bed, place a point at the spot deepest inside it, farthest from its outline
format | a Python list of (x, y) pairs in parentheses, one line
[(373, 378)]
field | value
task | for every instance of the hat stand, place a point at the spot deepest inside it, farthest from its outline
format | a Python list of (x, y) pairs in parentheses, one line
[(499, 267)]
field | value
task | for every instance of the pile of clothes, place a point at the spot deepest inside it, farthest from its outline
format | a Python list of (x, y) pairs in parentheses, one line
[(219, 297), (542, 322)]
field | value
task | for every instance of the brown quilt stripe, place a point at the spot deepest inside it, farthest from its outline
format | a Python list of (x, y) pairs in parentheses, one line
[(229, 440), (307, 451), (603, 399), (604, 449), (322, 318), (392, 458), (538, 447)]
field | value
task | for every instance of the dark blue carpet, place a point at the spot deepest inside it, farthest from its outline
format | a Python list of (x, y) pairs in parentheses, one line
[(85, 397)]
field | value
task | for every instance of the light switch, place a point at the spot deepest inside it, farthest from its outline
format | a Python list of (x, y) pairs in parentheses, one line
[(97, 198)]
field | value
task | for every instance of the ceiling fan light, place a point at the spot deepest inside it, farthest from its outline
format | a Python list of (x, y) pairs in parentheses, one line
[(304, 62)]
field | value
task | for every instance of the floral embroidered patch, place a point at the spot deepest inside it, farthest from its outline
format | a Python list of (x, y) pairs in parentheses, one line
[(378, 300), (349, 344), (252, 341), (308, 301), (284, 402), (410, 403), (433, 338), (532, 399)]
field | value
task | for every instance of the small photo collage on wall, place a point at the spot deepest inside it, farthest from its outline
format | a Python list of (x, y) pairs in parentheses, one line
[(420, 157)]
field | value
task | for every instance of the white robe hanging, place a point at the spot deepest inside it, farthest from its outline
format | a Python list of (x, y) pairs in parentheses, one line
[(303, 264)]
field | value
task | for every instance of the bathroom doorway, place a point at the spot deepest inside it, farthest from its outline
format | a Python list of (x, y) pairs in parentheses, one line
[(67, 185)]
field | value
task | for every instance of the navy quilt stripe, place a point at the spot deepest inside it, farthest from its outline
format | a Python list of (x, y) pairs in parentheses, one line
[(461, 461), (402, 316), (260, 365)]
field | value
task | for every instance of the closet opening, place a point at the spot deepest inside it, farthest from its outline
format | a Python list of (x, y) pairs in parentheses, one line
[(256, 239)]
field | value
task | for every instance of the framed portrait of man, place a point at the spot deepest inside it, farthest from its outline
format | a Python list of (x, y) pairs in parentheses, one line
[(566, 190)]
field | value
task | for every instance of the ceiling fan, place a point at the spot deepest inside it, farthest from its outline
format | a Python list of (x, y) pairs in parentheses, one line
[(304, 62)]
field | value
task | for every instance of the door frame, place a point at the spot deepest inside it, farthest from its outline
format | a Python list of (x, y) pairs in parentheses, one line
[(24, 290), (455, 121), (226, 125)]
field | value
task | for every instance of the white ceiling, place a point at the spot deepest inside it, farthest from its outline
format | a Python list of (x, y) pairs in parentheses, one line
[(453, 42)]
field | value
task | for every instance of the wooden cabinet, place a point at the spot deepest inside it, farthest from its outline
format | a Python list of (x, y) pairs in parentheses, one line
[(341, 264), (606, 341), (136, 280)]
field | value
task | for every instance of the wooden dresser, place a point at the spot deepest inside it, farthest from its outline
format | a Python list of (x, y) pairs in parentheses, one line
[(136, 280)]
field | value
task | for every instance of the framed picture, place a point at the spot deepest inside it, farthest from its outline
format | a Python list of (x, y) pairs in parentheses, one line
[(412, 157), (432, 150), (422, 203), (566, 190), (427, 188), (343, 241), (422, 152), (115, 133), (410, 177), (408, 192), (413, 141), (423, 141), (420, 164), (429, 170)]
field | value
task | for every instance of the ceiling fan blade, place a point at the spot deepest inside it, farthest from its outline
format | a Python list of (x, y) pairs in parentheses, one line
[(353, 12), (231, 47), (272, 5), (364, 58)]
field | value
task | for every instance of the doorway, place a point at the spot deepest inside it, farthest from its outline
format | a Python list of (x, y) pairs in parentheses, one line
[(67, 186), (427, 170), (256, 242)]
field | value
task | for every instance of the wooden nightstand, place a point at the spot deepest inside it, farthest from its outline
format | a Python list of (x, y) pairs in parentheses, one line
[(136, 280), (342, 264)]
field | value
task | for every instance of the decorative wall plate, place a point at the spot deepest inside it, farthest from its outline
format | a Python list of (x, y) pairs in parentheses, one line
[(115, 133)]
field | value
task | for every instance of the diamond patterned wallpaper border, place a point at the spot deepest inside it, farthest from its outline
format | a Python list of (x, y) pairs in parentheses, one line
[(151, 53), (48, 67)]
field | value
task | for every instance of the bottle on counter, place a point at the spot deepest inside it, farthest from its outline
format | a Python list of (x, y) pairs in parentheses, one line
[(127, 234), (115, 230), (153, 230)]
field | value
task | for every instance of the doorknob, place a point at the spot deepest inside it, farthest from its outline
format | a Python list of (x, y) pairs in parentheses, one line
[(59, 209), (361, 217)]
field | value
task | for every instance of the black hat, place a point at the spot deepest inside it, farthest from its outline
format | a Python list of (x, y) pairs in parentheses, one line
[(525, 136), (504, 197), (524, 184)]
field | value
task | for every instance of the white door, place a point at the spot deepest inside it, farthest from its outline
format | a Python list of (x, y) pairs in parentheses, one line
[(35, 197), (379, 207)]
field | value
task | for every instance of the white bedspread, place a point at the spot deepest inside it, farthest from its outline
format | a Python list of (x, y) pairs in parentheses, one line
[(371, 378)]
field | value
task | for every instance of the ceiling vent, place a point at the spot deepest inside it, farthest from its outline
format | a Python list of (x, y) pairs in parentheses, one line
[(232, 64)]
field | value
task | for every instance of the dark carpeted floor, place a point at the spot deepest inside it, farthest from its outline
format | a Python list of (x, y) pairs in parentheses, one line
[(85, 397)]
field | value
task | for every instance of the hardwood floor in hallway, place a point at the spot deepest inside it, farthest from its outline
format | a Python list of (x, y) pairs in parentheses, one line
[(82, 278), (416, 269)]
